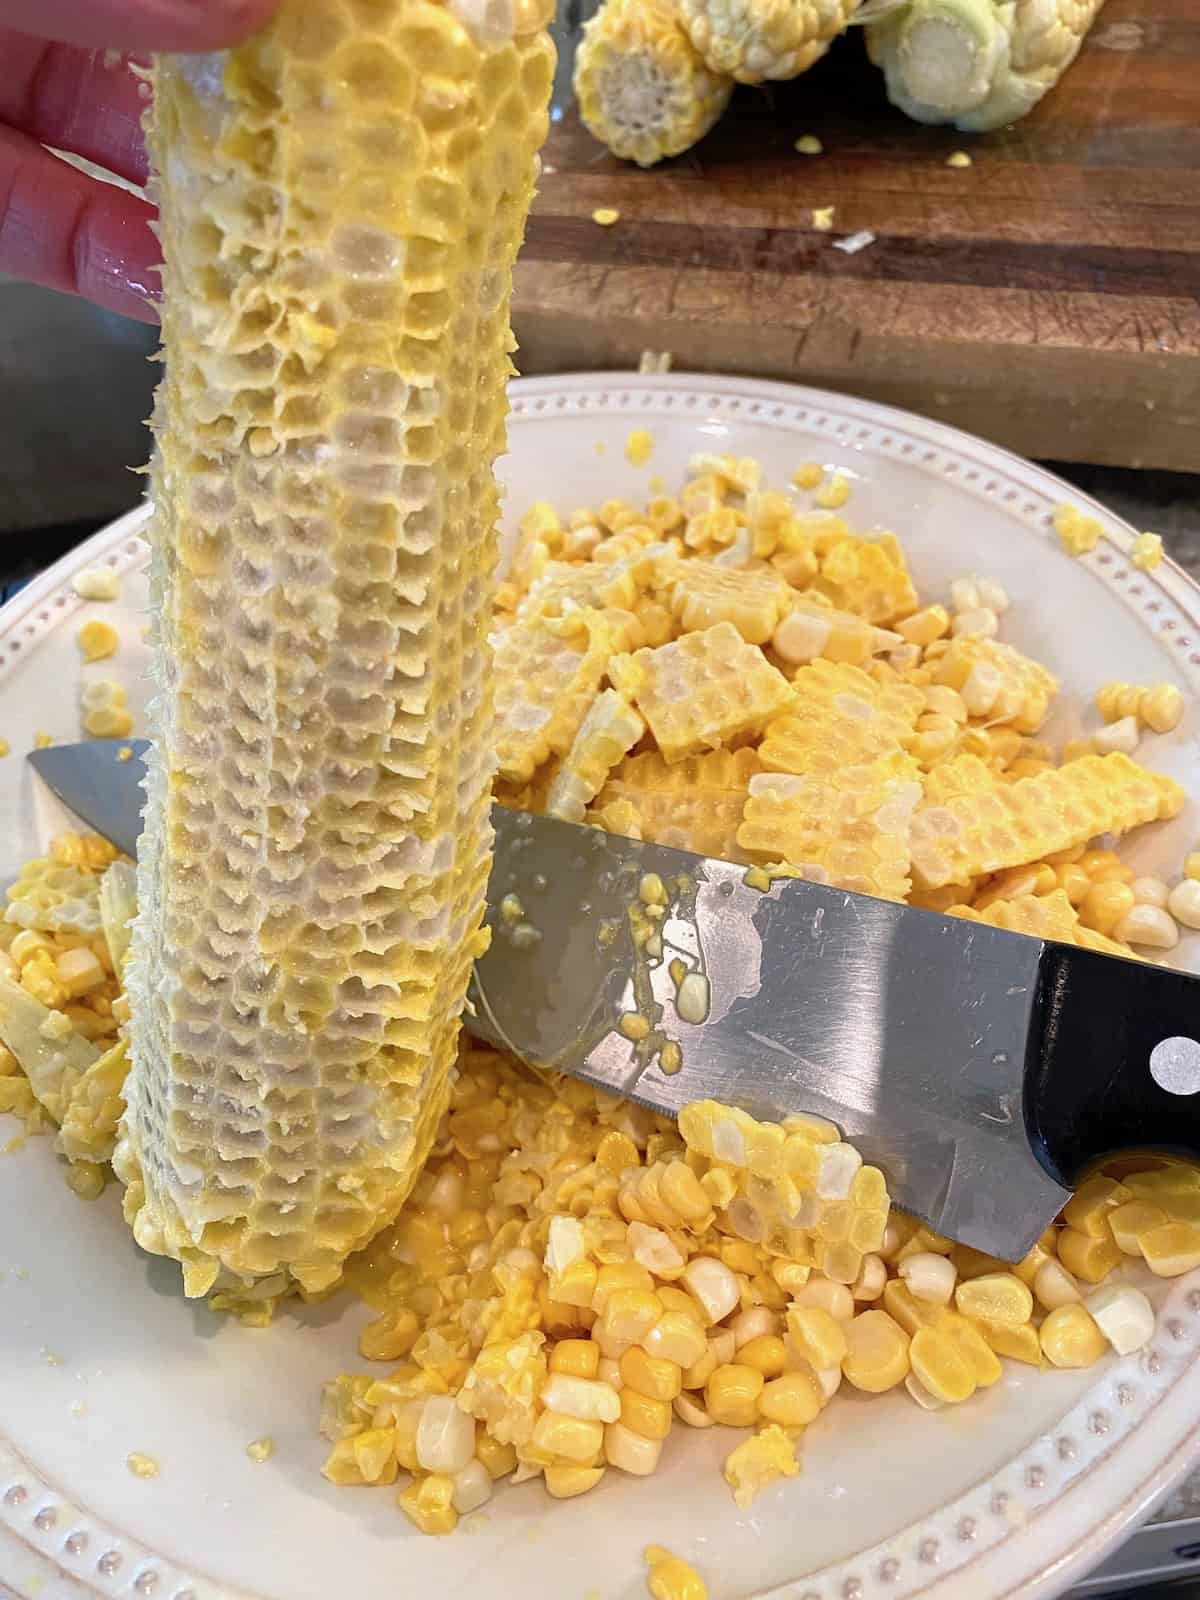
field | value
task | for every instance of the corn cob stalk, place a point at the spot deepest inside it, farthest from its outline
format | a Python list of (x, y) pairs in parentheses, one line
[(976, 63), (751, 40), (642, 87), (341, 202)]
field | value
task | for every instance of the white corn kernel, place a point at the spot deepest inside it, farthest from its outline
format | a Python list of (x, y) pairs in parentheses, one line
[(446, 1195), (713, 1285), (654, 1250), (585, 1398), (609, 1371), (1123, 735), (981, 688), (692, 998), (1151, 892), (1183, 903), (1124, 1316), (1053, 1286), (801, 637), (929, 1276), (926, 1400), (96, 583), (982, 622), (472, 1488), (629, 1451), (445, 1436), (828, 1296), (992, 594), (946, 702), (689, 1411), (723, 1346), (751, 1324), (564, 1244), (964, 595), (837, 1164), (1148, 926), (872, 1276)]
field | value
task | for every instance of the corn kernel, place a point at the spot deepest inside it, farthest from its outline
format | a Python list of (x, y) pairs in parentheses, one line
[(575, 1358), (998, 1296), (585, 1399), (877, 1352), (429, 1503), (1085, 1257), (616, 1153), (766, 1354), (1170, 1249), (97, 640), (793, 1400), (1070, 1338), (690, 1411), (651, 1376), (1129, 1221), (808, 475), (924, 626), (390, 1337), (974, 1346), (669, 1578), (731, 1395), (1089, 1208), (499, 1459), (1104, 904), (614, 1276), (1018, 1344), (573, 1438), (942, 1366), (643, 1415), (1161, 708), (818, 1336), (631, 1452), (713, 1285), (564, 1482)]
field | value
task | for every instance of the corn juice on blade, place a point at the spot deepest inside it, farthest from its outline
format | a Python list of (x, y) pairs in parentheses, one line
[(341, 201)]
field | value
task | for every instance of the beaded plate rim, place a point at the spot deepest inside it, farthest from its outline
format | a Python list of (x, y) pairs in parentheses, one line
[(1115, 1454)]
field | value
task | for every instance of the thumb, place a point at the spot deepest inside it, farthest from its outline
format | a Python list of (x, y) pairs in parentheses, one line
[(139, 25)]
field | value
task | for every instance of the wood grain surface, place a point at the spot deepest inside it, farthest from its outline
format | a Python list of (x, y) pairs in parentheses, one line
[(1047, 296)]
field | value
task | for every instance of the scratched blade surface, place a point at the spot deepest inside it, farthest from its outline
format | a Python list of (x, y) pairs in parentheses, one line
[(907, 1029), (97, 785)]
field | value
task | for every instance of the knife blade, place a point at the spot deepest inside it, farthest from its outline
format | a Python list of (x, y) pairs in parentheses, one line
[(982, 1070)]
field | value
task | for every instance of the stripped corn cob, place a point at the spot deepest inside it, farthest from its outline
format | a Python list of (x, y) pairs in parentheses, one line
[(751, 40), (701, 594), (643, 88), (338, 241), (975, 63), (1025, 821), (694, 804), (869, 577)]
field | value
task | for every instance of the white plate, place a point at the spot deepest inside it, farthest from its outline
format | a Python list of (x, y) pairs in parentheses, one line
[(1017, 1492)]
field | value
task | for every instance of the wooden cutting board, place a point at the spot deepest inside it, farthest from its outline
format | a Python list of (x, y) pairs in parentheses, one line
[(1047, 296)]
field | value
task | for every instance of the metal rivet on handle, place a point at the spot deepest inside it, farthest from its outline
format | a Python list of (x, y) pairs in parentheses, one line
[(1175, 1064)]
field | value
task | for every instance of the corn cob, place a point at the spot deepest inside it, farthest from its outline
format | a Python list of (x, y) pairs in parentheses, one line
[(976, 832), (642, 86), (547, 673), (608, 732), (341, 202), (751, 40), (977, 63), (701, 594)]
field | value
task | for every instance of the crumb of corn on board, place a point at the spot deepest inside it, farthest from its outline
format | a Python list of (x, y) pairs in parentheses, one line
[(574, 1278), (336, 334), (976, 63)]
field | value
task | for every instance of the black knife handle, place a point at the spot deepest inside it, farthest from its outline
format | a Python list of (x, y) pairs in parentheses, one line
[(1114, 1065)]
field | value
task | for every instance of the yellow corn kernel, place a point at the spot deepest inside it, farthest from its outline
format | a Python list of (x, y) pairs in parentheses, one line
[(904, 1308), (564, 1482), (429, 1503), (1077, 533), (924, 626), (572, 1438), (651, 1376), (1161, 708), (766, 1354), (1085, 1257), (390, 1337), (998, 1296), (682, 1192), (698, 1374), (974, 1346), (1104, 904), (731, 1394), (1147, 551), (575, 1358), (942, 1366), (835, 491), (793, 1400), (1073, 881), (1017, 1343), (627, 1318), (1089, 1208), (616, 1153), (614, 1276), (671, 1578), (97, 640), (576, 1285), (877, 1352), (677, 1337), (645, 1416), (27, 944), (1128, 1222), (808, 475), (499, 1459), (819, 1338), (1070, 1338), (1171, 1248)]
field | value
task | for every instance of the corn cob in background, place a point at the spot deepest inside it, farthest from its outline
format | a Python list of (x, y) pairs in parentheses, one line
[(754, 40), (341, 202), (642, 86), (977, 63)]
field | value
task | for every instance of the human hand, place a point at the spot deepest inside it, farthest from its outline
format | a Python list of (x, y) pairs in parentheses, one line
[(62, 85)]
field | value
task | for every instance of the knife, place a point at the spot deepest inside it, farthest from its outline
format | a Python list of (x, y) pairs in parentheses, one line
[(984, 1071)]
